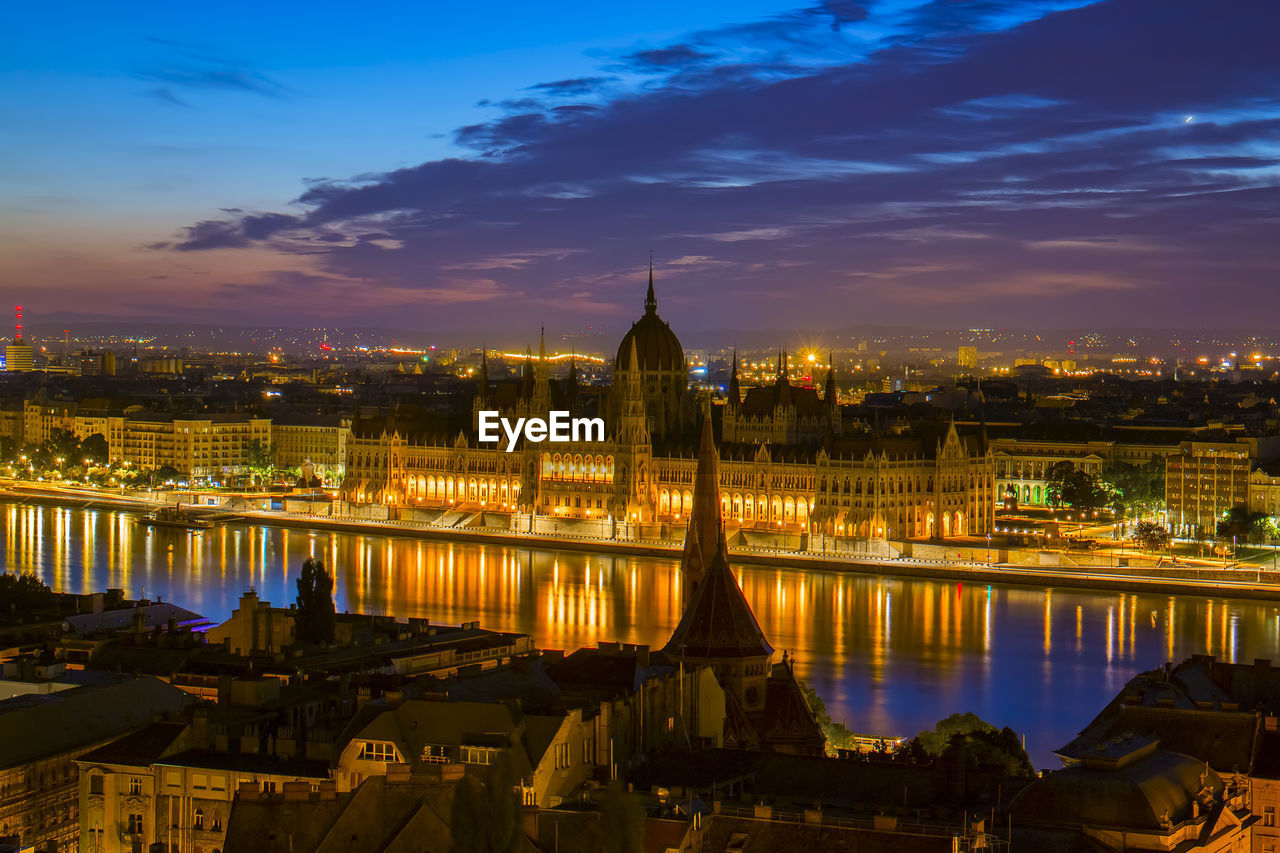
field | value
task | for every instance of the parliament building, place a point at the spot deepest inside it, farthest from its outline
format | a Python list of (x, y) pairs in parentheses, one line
[(787, 464)]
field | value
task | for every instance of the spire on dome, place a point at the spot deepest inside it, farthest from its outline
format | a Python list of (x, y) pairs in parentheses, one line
[(650, 301)]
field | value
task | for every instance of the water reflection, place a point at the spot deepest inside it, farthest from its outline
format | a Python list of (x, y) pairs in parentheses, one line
[(888, 655)]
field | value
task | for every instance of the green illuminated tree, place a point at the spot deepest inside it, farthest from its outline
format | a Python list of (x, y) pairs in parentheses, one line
[(1151, 536), (1243, 524), (260, 457)]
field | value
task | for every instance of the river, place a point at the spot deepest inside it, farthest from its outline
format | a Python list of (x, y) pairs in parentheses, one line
[(889, 656)]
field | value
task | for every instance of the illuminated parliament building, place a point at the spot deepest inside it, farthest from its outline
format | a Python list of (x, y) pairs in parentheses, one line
[(787, 467)]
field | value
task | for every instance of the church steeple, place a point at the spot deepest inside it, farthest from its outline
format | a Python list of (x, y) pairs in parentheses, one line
[(484, 376), (650, 301), (704, 537)]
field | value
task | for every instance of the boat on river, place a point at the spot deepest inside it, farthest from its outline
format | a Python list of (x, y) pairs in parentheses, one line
[(175, 516)]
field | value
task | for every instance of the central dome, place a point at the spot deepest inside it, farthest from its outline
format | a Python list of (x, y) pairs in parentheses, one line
[(657, 347)]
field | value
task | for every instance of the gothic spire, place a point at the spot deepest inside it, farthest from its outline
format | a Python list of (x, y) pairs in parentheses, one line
[(484, 375)]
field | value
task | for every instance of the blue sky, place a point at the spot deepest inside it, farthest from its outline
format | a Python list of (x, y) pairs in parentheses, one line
[(917, 163)]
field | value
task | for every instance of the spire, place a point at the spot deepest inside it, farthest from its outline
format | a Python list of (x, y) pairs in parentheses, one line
[(527, 377), (650, 301), (704, 537), (735, 391), (633, 425), (571, 384), (484, 375), (718, 622), (829, 390)]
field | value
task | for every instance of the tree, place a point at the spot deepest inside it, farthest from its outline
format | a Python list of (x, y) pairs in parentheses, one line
[(983, 744), (95, 449), (313, 616), (261, 460), (1055, 480), (838, 737), (486, 817), (1151, 536), (1243, 524), (1135, 489), (22, 594)]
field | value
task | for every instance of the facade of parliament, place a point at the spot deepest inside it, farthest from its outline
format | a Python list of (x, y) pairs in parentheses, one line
[(787, 465)]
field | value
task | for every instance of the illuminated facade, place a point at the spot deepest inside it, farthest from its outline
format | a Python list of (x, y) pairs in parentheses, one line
[(1206, 479), (1022, 465), (207, 446), (320, 441), (777, 474)]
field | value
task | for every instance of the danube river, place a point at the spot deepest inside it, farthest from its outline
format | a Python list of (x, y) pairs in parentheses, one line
[(890, 656)]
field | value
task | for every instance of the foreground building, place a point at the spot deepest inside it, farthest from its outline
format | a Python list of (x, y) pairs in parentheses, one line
[(43, 735)]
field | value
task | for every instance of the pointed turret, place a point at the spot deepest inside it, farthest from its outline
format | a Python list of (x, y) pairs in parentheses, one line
[(735, 391)]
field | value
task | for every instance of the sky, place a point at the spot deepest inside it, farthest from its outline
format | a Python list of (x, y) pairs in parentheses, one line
[(493, 167)]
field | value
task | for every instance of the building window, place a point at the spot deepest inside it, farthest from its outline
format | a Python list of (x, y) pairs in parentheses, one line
[(95, 784), (377, 751), (436, 753), (1269, 816), (135, 787), (478, 755), (135, 825), (197, 821)]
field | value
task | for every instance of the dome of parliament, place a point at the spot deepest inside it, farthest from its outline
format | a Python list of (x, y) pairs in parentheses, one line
[(657, 347)]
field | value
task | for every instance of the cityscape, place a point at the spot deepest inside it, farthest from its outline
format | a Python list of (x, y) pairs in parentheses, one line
[(690, 429)]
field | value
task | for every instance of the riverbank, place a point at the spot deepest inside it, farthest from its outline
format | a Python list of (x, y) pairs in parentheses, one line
[(1231, 583)]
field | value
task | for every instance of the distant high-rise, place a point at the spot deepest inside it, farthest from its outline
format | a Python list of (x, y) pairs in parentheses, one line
[(19, 355), (968, 357)]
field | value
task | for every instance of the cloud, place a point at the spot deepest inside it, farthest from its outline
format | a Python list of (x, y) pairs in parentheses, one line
[(575, 87), (192, 67), (1013, 151)]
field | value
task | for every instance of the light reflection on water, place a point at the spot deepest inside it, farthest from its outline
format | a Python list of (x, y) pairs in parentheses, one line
[(889, 655)]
